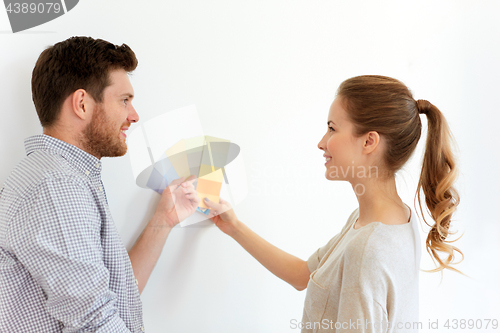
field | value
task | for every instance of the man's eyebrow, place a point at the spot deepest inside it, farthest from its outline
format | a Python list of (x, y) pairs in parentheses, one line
[(128, 95)]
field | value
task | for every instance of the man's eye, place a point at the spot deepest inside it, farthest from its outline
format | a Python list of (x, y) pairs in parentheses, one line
[(125, 101)]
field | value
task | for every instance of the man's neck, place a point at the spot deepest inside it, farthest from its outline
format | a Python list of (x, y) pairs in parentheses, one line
[(68, 138)]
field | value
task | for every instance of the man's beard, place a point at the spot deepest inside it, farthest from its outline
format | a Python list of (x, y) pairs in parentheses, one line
[(100, 138)]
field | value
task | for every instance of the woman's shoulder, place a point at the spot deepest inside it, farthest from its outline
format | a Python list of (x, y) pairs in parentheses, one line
[(378, 246)]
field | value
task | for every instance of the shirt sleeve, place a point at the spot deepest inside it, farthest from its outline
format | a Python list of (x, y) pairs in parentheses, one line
[(60, 246), (315, 258)]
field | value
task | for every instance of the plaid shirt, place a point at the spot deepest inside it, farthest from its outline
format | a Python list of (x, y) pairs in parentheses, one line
[(63, 266)]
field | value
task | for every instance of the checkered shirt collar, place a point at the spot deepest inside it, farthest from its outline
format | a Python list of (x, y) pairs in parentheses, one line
[(83, 161)]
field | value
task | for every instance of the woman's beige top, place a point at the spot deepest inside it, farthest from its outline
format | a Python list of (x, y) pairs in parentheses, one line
[(365, 280)]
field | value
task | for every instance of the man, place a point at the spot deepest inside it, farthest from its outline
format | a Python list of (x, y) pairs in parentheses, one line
[(63, 267)]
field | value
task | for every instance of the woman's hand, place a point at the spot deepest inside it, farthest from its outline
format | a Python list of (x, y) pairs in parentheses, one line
[(223, 216)]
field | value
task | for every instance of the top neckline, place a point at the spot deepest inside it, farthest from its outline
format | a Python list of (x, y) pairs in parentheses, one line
[(390, 225)]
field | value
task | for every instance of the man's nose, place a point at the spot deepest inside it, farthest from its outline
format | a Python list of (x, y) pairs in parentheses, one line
[(133, 117)]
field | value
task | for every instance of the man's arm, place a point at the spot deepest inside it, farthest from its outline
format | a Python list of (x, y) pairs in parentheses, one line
[(147, 249), (178, 201)]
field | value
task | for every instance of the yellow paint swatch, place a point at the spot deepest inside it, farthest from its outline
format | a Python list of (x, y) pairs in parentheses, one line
[(178, 157)]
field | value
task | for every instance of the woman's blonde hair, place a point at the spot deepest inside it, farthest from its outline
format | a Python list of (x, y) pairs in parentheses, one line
[(386, 105)]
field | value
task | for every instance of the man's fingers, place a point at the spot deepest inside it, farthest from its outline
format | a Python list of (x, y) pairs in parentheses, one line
[(194, 197), (184, 183), (188, 189), (191, 193), (189, 186), (190, 178), (174, 183)]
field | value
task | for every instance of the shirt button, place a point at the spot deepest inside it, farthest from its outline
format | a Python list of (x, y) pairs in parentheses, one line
[(136, 282), (142, 328), (97, 165), (100, 188), (87, 172)]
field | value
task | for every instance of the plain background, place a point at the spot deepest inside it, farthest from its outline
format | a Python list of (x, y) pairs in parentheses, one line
[(263, 75)]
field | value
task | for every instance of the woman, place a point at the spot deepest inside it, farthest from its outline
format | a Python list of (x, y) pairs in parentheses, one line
[(365, 279)]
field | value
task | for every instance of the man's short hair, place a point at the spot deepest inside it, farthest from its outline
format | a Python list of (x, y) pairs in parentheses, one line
[(76, 63)]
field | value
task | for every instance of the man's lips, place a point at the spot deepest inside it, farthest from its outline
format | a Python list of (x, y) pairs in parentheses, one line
[(122, 131)]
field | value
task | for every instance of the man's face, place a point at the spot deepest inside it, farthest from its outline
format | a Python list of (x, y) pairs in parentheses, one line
[(104, 135)]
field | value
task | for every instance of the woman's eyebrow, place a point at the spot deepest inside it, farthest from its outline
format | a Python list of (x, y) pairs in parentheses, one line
[(329, 121)]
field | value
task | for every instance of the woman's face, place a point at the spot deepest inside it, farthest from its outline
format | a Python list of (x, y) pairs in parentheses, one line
[(340, 146)]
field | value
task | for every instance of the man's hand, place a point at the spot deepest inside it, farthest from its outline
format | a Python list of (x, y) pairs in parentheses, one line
[(178, 201)]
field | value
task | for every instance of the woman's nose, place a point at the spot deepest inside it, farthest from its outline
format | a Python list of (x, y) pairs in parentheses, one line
[(321, 144)]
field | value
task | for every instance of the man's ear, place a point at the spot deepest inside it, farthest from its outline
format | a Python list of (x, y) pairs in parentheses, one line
[(82, 104), (371, 141)]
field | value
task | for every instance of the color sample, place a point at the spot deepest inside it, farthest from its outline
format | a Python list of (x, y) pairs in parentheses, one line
[(209, 187), (203, 156)]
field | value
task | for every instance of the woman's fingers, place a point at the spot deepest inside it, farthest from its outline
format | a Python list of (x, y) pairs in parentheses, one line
[(222, 207), (224, 202), (215, 209), (211, 204)]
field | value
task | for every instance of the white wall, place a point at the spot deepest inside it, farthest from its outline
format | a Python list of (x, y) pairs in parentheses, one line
[(263, 74)]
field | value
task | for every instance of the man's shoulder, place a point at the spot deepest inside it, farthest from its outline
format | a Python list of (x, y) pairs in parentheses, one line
[(38, 167)]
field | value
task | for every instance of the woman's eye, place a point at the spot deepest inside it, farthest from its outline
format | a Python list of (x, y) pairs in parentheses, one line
[(331, 129)]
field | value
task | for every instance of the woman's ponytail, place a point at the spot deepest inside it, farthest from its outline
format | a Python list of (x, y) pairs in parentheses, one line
[(437, 177)]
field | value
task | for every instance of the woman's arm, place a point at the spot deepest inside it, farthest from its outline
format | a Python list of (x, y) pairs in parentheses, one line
[(284, 265)]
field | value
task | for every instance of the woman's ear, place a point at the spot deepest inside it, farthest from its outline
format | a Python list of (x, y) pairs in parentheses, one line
[(370, 142)]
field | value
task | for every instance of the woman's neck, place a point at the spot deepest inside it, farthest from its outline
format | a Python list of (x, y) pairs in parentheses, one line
[(379, 201)]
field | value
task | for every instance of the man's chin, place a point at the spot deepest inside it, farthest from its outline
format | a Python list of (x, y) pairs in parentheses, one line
[(116, 152), (123, 152)]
